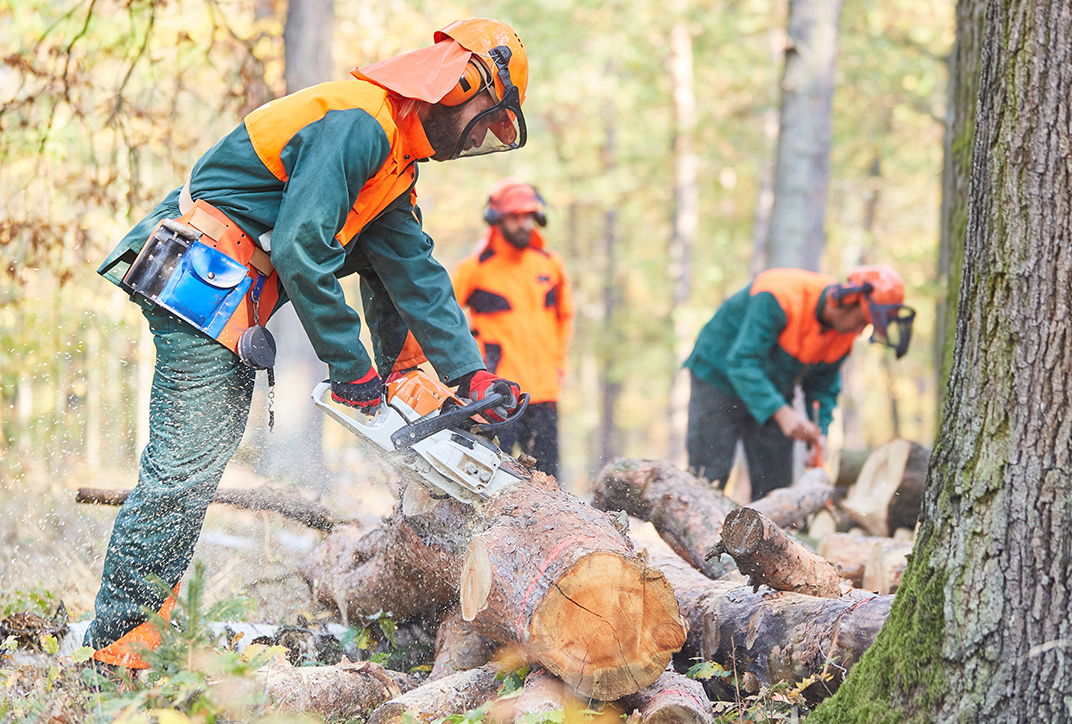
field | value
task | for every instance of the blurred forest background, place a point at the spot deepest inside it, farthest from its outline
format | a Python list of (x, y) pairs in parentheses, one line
[(653, 131)]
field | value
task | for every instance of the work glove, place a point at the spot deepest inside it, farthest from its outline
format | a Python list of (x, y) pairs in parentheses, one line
[(365, 394), (484, 383)]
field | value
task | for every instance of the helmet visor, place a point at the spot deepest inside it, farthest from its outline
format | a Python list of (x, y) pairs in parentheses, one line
[(499, 128), (892, 326)]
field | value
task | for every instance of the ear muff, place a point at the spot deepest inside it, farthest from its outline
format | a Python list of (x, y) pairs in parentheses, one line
[(473, 81)]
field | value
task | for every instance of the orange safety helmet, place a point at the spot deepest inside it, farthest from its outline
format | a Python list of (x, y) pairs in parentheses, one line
[(510, 196), (500, 65), (880, 292)]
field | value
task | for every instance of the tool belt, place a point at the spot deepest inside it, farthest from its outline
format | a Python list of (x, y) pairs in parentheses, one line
[(205, 270)]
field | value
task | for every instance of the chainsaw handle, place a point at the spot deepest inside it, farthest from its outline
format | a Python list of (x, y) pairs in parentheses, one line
[(522, 405), (414, 433)]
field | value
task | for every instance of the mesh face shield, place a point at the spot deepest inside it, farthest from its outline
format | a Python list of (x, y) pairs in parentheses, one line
[(892, 325), (501, 127)]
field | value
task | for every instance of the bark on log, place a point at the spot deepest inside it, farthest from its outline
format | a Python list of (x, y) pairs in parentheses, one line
[(687, 511), (408, 566), (889, 490), (849, 553), (304, 511), (553, 574), (790, 507), (341, 692), (672, 699), (769, 557), (545, 694), (452, 694), (541, 569), (773, 636), (885, 566), (459, 647)]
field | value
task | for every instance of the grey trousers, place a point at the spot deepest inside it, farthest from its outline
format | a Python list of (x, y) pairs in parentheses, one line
[(717, 420)]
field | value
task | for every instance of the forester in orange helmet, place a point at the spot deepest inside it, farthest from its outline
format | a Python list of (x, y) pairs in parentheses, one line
[(521, 312), (310, 188), (789, 327)]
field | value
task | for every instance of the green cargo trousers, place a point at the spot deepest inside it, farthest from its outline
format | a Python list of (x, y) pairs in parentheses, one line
[(198, 409)]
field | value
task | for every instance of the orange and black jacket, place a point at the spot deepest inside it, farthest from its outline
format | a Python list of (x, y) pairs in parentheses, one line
[(520, 310), (768, 338), (330, 171)]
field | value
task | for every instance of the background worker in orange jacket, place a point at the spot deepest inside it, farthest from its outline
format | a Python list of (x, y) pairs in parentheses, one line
[(521, 313), (787, 327)]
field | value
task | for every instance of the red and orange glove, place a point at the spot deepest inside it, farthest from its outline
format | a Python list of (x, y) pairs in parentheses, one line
[(365, 394), (483, 383)]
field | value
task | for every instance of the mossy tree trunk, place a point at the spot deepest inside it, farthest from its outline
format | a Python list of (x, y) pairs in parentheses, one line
[(980, 629)]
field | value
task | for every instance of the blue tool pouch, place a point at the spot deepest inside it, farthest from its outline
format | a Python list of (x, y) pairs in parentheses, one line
[(193, 281)]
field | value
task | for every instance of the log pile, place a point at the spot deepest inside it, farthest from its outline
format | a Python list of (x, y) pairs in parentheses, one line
[(608, 602)]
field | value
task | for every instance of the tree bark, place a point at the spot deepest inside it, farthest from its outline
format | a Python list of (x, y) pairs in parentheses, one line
[(767, 638), (672, 699), (452, 694), (686, 511), (341, 692), (790, 507), (459, 647), (889, 490), (797, 235), (980, 629), (771, 558), (544, 694)]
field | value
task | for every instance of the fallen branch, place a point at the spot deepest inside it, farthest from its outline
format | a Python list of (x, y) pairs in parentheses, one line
[(304, 511), (341, 692)]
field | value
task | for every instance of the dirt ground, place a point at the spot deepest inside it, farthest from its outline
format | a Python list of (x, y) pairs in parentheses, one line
[(52, 546)]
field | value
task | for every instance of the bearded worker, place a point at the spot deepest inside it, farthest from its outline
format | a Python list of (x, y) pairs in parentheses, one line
[(521, 313), (310, 188)]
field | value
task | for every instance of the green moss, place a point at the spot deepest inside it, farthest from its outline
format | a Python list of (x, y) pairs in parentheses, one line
[(899, 679)]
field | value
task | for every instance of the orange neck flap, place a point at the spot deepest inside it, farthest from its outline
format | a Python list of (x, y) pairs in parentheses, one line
[(426, 74)]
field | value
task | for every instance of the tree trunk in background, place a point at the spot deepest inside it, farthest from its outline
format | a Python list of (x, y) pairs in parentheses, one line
[(964, 66), (796, 234), (609, 386), (294, 449), (980, 627), (686, 222)]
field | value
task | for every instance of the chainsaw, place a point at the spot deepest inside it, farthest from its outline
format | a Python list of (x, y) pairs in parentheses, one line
[(435, 438)]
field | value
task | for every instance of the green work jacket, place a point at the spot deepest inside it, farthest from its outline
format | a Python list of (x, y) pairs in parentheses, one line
[(331, 172), (768, 338)]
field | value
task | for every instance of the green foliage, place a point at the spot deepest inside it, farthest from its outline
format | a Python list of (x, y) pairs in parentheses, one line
[(37, 601)]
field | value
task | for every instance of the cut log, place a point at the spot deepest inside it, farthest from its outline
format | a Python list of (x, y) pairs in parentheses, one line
[(407, 566), (672, 699), (769, 557), (568, 586), (885, 566), (307, 512), (459, 647), (687, 511), (341, 692), (845, 467), (539, 568), (454, 694), (543, 694), (790, 507), (774, 637), (849, 553), (889, 490)]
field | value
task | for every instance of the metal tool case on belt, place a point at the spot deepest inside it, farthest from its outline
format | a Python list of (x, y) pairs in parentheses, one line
[(203, 269)]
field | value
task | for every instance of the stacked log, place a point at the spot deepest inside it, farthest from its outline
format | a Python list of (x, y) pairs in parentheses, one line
[(533, 567), (885, 566), (888, 492)]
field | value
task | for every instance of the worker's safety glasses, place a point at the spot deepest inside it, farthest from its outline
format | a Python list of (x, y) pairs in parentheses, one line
[(501, 127), (892, 325)]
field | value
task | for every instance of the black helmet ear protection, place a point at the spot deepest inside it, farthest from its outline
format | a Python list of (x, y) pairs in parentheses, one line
[(841, 292)]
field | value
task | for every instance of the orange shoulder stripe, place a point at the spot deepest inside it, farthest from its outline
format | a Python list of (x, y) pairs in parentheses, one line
[(804, 337)]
